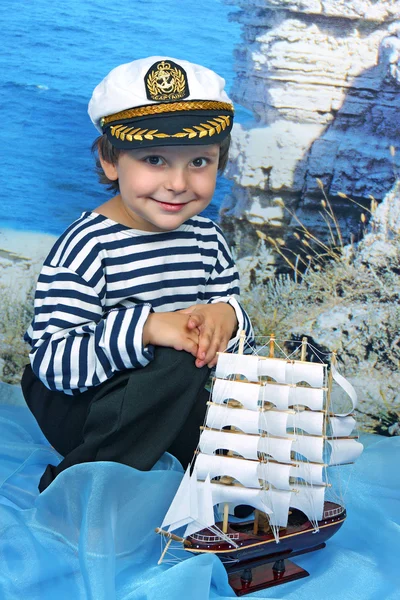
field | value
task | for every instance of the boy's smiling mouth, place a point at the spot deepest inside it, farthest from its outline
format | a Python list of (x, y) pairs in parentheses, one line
[(170, 206)]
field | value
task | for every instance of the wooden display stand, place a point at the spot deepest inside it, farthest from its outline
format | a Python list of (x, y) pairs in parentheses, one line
[(254, 575)]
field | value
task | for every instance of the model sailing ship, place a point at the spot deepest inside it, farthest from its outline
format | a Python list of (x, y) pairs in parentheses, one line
[(270, 439)]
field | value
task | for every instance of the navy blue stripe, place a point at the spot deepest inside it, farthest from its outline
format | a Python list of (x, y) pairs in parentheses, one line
[(95, 380), (58, 323), (38, 358), (94, 281), (158, 285), (231, 292), (156, 269), (130, 339), (50, 374), (64, 293), (82, 361), (188, 298), (70, 276), (115, 333), (90, 257), (66, 363), (86, 315)]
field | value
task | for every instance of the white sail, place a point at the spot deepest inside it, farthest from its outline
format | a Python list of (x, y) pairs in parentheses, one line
[(272, 367), (310, 500), (277, 474), (311, 373), (184, 506), (342, 426), (276, 394), (237, 364), (279, 502), (309, 472), (312, 398), (244, 471), (278, 448), (274, 422), (205, 517), (311, 422), (344, 451), (247, 446), (222, 416), (347, 387), (310, 447), (236, 495), (225, 389)]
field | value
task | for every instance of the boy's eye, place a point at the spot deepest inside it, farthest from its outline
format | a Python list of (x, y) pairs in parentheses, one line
[(199, 162), (154, 160)]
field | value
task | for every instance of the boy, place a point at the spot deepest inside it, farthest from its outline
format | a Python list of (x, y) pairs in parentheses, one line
[(138, 296)]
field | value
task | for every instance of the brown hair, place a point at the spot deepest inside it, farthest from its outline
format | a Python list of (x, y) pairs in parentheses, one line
[(101, 146)]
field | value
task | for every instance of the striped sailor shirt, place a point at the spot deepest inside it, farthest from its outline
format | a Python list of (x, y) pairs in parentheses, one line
[(100, 282)]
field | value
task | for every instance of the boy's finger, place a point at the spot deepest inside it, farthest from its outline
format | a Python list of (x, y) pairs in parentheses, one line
[(221, 348), (212, 351), (191, 347), (195, 320), (205, 339), (213, 347), (203, 349)]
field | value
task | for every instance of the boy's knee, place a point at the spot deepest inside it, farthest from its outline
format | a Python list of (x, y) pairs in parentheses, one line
[(171, 357), (178, 366)]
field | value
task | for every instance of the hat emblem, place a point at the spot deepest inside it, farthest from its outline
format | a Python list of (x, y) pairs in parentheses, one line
[(166, 81)]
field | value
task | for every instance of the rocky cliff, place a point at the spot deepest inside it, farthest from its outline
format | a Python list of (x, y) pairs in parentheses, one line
[(322, 80)]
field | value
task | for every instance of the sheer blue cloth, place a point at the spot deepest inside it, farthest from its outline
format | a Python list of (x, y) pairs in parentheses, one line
[(90, 535)]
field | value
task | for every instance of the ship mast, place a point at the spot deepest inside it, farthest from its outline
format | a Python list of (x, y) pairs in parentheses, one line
[(303, 355), (242, 338), (258, 514), (329, 391)]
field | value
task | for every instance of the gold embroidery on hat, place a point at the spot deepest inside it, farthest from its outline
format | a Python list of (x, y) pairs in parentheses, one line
[(156, 109), (209, 128), (166, 82)]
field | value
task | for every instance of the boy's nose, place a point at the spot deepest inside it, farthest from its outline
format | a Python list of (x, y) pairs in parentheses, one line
[(176, 181)]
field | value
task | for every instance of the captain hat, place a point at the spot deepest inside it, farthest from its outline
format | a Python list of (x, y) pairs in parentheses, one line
[(158, 101)]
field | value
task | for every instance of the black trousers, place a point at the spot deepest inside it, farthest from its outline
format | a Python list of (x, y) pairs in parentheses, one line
[(133, 418)]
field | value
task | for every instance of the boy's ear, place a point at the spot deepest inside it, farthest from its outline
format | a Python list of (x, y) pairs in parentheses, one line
[(110, 170)]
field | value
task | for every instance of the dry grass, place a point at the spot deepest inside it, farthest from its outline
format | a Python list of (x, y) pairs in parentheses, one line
[(15, 318), (342, 303)]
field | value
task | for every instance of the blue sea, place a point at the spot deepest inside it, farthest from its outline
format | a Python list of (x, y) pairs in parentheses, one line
[(52, 56)]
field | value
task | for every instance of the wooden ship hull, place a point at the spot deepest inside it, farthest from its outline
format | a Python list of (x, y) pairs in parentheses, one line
[(300, 536)]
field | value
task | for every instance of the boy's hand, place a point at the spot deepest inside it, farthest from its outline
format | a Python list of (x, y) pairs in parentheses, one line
[(170, 329), (216, 324)]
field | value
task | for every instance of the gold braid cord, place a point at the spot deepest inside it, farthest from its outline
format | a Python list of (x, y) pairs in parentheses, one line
[(210, 128), (157, 109)]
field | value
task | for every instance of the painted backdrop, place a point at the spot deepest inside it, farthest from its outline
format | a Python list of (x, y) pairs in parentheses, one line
[(310, 201)]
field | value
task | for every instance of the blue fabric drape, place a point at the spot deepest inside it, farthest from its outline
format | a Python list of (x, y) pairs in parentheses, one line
[(90, 535)]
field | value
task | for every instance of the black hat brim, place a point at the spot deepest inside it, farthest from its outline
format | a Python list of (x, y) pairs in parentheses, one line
[(170, 129)]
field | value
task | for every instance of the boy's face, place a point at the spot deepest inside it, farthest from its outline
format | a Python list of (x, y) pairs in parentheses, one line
[(162, 187)]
